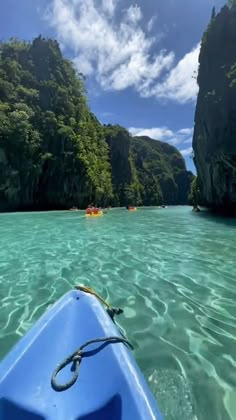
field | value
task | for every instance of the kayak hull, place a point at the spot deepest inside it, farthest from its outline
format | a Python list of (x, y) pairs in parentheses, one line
[(100, 213), (109, 386)]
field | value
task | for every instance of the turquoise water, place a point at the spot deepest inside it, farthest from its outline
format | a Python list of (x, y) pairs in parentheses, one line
[(174, 273)]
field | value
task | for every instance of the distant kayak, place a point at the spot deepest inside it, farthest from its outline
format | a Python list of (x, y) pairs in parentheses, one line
[(93, 212), (132, 208), (46, 377), (100, 213)]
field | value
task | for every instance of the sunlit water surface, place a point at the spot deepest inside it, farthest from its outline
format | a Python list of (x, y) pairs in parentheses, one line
[(173, 272)]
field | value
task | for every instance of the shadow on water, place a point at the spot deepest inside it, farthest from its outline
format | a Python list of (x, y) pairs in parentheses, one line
[(211, 216)]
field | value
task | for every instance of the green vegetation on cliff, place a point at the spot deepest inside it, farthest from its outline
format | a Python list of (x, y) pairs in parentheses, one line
[(215, 124), (194, 193), (161, 172), (52, 149), (54, 153), (146, 171), (126, 186)]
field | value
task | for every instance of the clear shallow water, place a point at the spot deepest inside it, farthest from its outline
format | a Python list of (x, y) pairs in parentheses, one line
[(174, 273)]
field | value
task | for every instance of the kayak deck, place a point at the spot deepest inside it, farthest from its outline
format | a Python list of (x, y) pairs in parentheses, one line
[(109, 385)]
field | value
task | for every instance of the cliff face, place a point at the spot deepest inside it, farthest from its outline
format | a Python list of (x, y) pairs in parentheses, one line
[(54, 153), (146, 171), (214, 140), (125, 187), (161, 171)]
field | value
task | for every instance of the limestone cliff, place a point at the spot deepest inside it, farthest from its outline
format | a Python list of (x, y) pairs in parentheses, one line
[(161, 171), (54, 153), (214, 140), (146, 171)]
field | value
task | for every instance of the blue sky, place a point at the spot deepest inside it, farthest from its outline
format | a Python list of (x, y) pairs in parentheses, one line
[(139, 57)]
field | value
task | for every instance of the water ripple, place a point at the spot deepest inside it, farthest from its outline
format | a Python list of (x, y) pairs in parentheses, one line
[(173, 273)]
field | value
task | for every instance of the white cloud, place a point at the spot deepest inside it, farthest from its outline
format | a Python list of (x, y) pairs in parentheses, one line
[(186, 152), (136, 72), (186, 131), (114, 49), (180, 84), (134, 14), (177, 138), (83, 64), (150, 23), (109, 6), (157, 133)]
